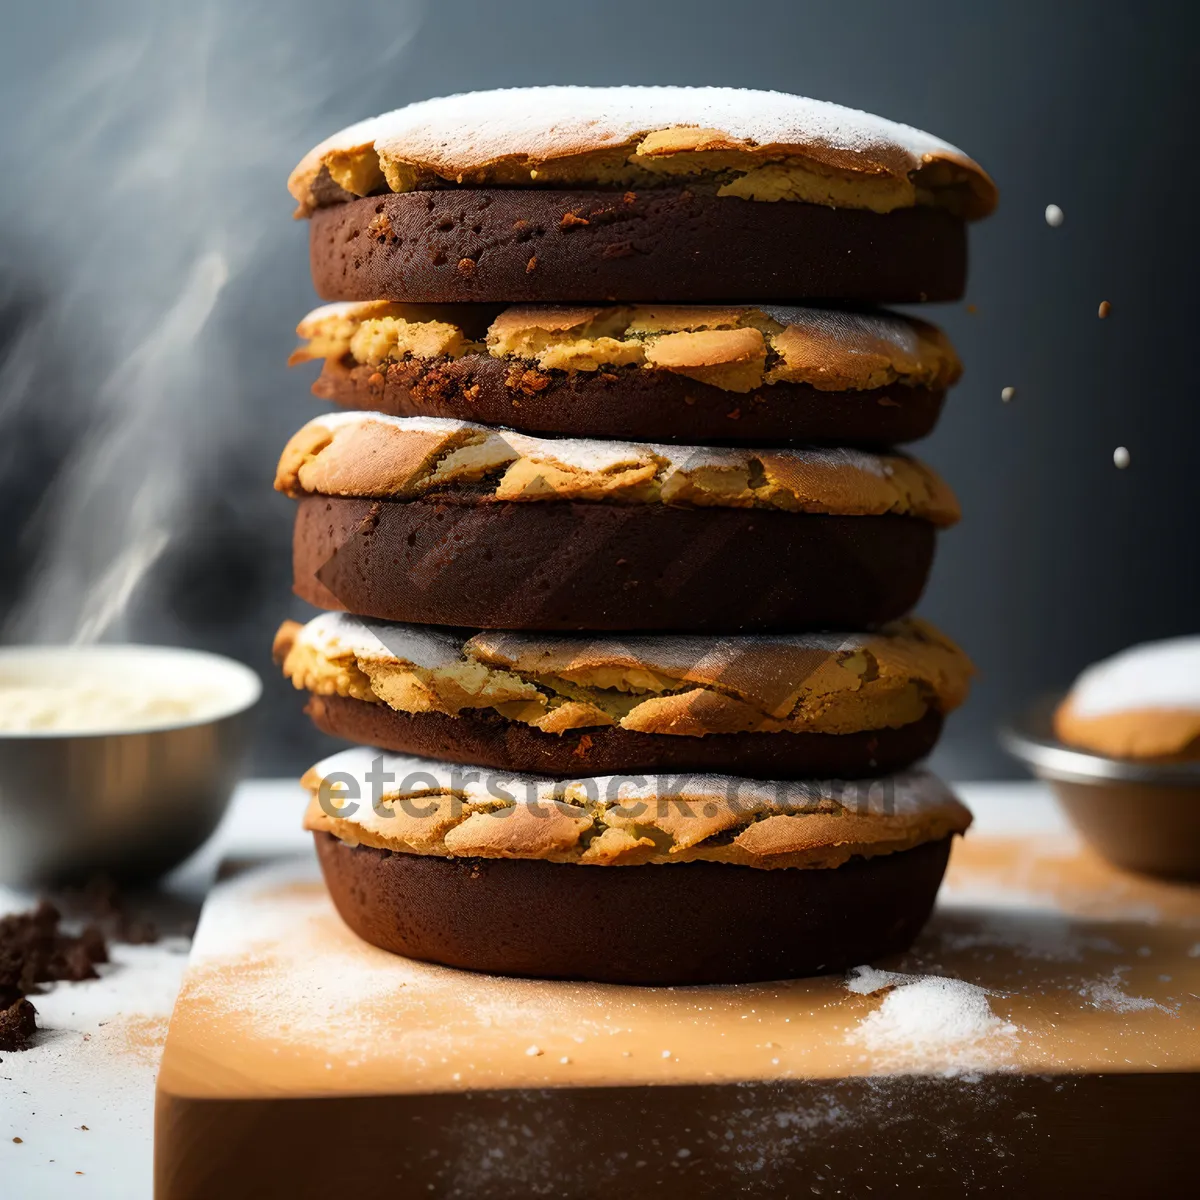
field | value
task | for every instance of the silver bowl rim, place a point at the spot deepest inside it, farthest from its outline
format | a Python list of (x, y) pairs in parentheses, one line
[(250, 679), (1030, 738)]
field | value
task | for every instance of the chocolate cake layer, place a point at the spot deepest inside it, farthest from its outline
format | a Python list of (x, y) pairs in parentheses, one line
[(673, 244), (578, 565), (632, 404), (486, 739), (688, 923)]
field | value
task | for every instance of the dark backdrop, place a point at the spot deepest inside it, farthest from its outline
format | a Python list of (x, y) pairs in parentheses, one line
[(150, 278)]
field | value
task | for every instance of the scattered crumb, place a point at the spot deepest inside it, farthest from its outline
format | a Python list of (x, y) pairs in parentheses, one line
[(666, 1054), (1104, 309), (1054, 216), (1007, 394), (17, 1025), (972, 309), (19, 1141), (564, 1060), (1120, 458), (534, 1051)]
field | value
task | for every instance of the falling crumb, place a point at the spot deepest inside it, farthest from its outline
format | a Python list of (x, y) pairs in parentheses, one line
[(84, 1128), (972, 309), (534, 1051), (1104, 309), (1007, 394), (1054, 216), (1120, 458), (19, 1141)]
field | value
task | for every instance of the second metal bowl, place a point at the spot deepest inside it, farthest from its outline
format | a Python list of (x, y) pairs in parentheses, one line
[(1143, 815)]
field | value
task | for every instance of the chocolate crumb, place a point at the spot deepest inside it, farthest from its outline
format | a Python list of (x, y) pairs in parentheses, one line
[(34, 950), (17, 1026)]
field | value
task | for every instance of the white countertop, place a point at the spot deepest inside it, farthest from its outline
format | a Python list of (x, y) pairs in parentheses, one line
[(96, 1063)]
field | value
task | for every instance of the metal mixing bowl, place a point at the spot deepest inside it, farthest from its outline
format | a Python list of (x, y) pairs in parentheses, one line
[(1143, 815), (131, 803)]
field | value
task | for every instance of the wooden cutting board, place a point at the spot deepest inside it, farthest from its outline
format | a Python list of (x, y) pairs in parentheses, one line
[(1065, 1060)]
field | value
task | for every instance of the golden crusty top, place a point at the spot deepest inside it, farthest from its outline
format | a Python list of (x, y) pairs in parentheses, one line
[(428, 807), (404, 458), (735, 348), (686, 686), (751, 144)]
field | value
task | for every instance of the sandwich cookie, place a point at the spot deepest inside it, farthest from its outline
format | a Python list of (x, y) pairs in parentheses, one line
[(638, 194), (660, 880), (768, 706), (447, 522), (663, 373)]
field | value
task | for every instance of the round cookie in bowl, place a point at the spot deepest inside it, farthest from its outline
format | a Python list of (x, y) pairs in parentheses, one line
[(1122, 752), (1143, 703), (660, 880), (663, 373), (637, 193), (767, 706), (444, 522)]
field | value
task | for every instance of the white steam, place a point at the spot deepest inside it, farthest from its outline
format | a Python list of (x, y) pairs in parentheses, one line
[(152, 143)]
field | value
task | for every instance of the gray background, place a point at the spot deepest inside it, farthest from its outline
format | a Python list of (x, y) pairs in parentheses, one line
[(150, 278)]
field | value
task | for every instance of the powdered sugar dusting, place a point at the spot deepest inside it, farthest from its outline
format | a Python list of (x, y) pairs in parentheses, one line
[(475, 128), (850, 329), (338, 634), (905, 794), (597, 455), (1163, 674), (1109, 994)]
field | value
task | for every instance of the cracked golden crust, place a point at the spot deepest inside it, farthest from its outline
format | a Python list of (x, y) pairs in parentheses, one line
[(763, 146), (738, 349), (435, 808), (402, 458), (674, 686)]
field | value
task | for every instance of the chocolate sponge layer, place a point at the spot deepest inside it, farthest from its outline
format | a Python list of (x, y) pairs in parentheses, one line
[(672, 244), (572, 565), (633, 404), (486, 739), (681, 923)]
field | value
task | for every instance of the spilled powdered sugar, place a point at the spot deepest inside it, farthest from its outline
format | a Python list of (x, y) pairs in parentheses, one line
[(928, 1023), (1109, 994)]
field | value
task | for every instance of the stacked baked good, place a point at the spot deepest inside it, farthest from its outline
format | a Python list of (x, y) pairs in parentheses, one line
[(616, 548)]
